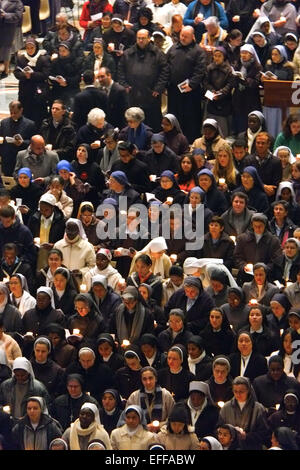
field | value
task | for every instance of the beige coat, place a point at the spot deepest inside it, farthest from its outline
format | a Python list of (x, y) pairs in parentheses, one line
[(217, 144), (178, 441), (12, 349), (65, 204), (79, 255), (121, 440), (167, 403)]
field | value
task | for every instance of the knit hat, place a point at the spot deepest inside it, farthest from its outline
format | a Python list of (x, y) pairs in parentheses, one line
[(25, 171), (120, 177)]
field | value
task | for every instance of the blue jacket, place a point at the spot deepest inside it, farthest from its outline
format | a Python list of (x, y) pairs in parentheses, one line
[(207, 11)]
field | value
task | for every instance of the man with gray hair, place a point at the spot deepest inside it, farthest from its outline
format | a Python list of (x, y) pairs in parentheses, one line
[(144, 72), (187, 72), (94, 131)]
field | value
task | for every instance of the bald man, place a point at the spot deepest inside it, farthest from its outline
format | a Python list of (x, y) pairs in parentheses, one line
[(144, 72), (187, 69), (38, 159)]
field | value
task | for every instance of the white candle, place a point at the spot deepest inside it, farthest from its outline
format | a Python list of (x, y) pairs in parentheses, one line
[(155, 324), (173, 258), (125, 343), (249, 267), (277, 406), (221, 404), (152, 178), (48, 147), (76, 331), (54, 56), (1, 140), (37, 240), (111, 46), (5, 279), (18, 201), (222, 180), (170, 199), (281, 331), (6, 409), (200, 15), (288, 283), (253, 302), (82, 287), (155, 424), (233, 238), (97, 142), (231, 326)]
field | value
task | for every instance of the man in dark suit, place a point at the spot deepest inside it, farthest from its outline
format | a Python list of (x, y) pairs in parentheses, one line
[(10, 127), (117, 98), (91, 97)]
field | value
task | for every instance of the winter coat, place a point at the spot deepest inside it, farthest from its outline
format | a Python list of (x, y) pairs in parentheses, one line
[(223, 249), (229, 225), (28, 438), (270, 392), (50, 374), (66, 409), (141, 440), (219, 78), (20, 235), (38, 320), (57, 228), (171, 441), (64, 141), (257, 365), (79, 255)]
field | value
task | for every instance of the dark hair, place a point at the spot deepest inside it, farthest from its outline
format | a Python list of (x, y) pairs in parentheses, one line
[(183, 177), (7, 211), (240, 195), (87, 208), (88, 77), (107, 70), (61, 103), (10, 247), (4, 193), (240, 143), (113, 133), (57, 178), (286, 130), (144, 259), (218, 220), (285, 204), (55, 251), (15, 104), (146, 12), (126, 146), (233, 34)]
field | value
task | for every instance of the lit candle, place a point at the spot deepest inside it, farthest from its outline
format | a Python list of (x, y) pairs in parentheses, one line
[(155, 424), (123, 212), (173, 258), (231, 326), (222, 180), (288, 283), (155, 324), (97, 142), (170, 199), (6, 409), (48, 147), (112, 46), (233, 238), (281, 331), (76, 331), (249, 267), (277, 406), (88, 393), (54, 56), (253, 302), (82, 287), (5, 279), (125, 343), (37, 240), (152, 178), (298, 156), (29, 333), (221, 404)]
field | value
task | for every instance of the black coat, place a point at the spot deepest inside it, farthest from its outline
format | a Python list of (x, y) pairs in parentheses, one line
[(30, 197), (20, 267), (127, 381), (37, 321), (219, 78), (207, 421), (107, 61), (137, 174), (8, 127), (66, 301), (257, 365), (20, 235), (176, 384), (153, 281), (50, 374), (217, 343), (223, 249), (62, 138), (157, 163), (197, 316), (70, 69), (87, 99), (90, 326), (270, 171), (166, 341), (216, 201), (266, 342), (89, 133), (57, 229), (66, 409), (12, 320), (110, 421), (117, 105), (109, 304), (53, 430), (203, 368), (220, 392), (269, 392)]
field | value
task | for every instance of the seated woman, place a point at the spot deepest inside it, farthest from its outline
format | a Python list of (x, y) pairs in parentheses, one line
[(253, 186), (118, 185), (296, 179), (284, 438), (285, 352), (64, 291), (89, 172), (104, 297), (87, 319), (169, 192), (62, 352), (261, 45), (156, 401), (177, 434), (128, 378), (246, 362), (73, 186), (111, 409), (90, 223), (244, 412), (217, 244), (187, 174), (260, 289), (287, 159), (196, 198), (217, 336), (151, 353), (45, 369), (78, 253), (144, 275), (290, 261), (288, 413), (280, 224), (156, 249), (63, 202), (157, 312), (265, 341), (109, 154), (209, 443), (36, 429), (20, 296), (176, 332), (176, 377), (45, 275), (199, 362), (215, 199), (278, 318), (5, 367), (136, 132), (285, 192), (174, 138), (98, 58), (10, 315), (228, 437), (289, 136), (211, 139), (86, 428), (226, 175), (218, 287), (28, 191), (132, 433), (236, 310), (107, 352), (220, 382), (104, 268)]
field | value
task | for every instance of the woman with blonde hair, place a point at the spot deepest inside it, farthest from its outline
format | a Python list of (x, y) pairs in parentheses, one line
[(224, 169)]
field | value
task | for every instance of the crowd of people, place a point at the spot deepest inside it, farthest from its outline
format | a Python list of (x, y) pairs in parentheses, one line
[(170, 323)]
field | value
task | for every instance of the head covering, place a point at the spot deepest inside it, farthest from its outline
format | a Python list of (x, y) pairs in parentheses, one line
[(138, 410), (24, 364), (43, 340), (150, 339), (258, 114), (94, 409), (99, 279), (213, 442), (79, 378), (210, 122), (200, 191), (41, 402), (168, 174), (282, 52), (180, 414), (174, 121), (287, 438), (58, 441), (282, 300), (199, 386), (194, 282), (48, 291), (96, 443), (23, 281), (116, 396), (224, 359), (155, 245), (64, 165), (249, 48), (191, 264), (31, 40), (106, 338), (48, 199), (78, 222), (105, 252), (118, 18), (64, 44), (178, 312), (222, 50), (84, 350), (157, 138), (238, 291), (258, 24), (25, 171), (292, 159), (109, 200), (181, 350), (121, 178), (251, 170), (207, 172), (295, 312), (56, 328), (176, 271), (218, 275), (130, 292)]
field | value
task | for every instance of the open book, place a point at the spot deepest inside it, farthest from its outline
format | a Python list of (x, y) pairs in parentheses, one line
[(57, 78), (25, 69), (270, 75)]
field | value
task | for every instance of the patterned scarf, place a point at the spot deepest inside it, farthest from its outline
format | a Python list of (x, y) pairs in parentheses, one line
[(153, 410)]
